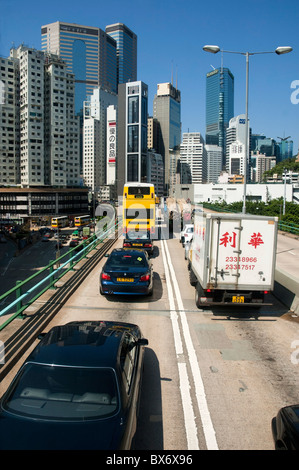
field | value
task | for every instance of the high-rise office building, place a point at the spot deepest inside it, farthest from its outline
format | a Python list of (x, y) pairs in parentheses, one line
[(193, 153), (219, 106), (213, 163), (235, 146), (89, 53), (167, 110), (132, 134), (126, 42)]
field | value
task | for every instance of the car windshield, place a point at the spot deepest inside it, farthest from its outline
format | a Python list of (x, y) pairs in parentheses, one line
[(132, 235), (131, 259), (63, 393)]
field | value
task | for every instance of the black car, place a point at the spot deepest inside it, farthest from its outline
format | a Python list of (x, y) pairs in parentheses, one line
[(285, 428), (79, 389), (127, 272), (139, 239)]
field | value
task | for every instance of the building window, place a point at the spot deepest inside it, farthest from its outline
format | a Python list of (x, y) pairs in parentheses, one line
[(133, 109), (132, 168), (133, 138)]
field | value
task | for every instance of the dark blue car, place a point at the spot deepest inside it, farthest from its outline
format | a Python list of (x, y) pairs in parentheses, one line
[(79, 389), (127, 272)]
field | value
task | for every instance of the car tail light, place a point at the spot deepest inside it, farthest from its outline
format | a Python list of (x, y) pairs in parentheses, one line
[(126, 244), (148, 245), (106, 277), (146, 277)]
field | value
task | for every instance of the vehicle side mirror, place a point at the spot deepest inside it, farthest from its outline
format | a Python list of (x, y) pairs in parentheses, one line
[(142, 342)]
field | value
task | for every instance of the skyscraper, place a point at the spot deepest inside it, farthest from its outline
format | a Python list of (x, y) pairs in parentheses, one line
[(219, 106), (126, 42), (235, 146), (193, 153), (89, 53), (167, 110), (132, 133)]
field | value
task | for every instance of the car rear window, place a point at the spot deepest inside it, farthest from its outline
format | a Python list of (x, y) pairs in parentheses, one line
[(132, 235), (63, 393), (127, 259)]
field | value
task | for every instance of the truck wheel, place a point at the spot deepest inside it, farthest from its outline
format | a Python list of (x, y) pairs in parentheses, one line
[(198, 294), (192, 278)]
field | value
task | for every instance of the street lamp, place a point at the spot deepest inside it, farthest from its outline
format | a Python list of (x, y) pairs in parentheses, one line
[(284, 191), (279, 50)]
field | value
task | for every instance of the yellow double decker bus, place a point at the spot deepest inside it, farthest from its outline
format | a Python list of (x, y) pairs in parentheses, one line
[(82, 220), (60, 222), (139, 207)]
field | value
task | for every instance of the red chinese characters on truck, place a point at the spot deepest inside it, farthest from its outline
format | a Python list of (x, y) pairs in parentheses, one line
[(242, 262)]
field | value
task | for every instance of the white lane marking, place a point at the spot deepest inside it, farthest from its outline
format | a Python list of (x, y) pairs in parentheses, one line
[(189, 418), (207, 424), (173, 313)]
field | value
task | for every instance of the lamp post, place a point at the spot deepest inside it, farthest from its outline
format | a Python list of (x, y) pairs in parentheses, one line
[(284, 191), (278, 51)]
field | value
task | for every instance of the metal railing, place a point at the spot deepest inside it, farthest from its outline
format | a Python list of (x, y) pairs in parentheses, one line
[(283, 226), (25, 293)]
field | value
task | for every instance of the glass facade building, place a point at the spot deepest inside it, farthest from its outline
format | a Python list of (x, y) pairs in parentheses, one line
[(167, 111), (90, 54), (126, 42), (219, 105)]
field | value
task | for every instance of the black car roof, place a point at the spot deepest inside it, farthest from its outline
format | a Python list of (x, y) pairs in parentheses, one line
[(89, 344)]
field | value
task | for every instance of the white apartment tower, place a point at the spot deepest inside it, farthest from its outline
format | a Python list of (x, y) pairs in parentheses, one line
[(193, 153), (31, 118), (41, 116), (95, 138), (9, 112), (62, 160)]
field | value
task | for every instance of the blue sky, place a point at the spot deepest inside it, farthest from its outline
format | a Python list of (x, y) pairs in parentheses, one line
[(171, 35)]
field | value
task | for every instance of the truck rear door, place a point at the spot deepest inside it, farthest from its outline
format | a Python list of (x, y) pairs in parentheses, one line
[(242, 253)]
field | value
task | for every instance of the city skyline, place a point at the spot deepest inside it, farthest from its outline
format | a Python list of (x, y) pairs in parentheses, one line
[(170, 41)]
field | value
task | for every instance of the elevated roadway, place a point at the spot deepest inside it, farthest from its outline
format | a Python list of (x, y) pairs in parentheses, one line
[(209, 382)]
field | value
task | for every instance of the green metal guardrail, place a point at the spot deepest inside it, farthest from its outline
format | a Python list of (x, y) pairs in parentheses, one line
[(283, 226), (52, 273)]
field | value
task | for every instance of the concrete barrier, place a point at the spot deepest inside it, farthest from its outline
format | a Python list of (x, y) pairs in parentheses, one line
[(286, 289)]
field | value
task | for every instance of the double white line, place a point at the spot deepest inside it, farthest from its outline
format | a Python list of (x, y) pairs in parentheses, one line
[(177, 318)]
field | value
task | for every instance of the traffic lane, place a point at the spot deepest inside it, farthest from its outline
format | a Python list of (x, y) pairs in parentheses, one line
[(242, 367), (32, 259), (287, 254), (161, 421)]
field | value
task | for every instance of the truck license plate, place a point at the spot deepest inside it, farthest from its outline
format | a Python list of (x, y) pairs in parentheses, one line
[(239, 299)]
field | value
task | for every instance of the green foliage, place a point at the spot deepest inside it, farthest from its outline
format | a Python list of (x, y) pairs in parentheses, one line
[(273, 208), (288, 164)]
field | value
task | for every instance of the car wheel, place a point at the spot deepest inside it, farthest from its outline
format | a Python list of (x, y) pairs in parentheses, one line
[(150, 292)]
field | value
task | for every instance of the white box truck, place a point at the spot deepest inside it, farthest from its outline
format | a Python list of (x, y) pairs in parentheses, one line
[(232, 258)]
